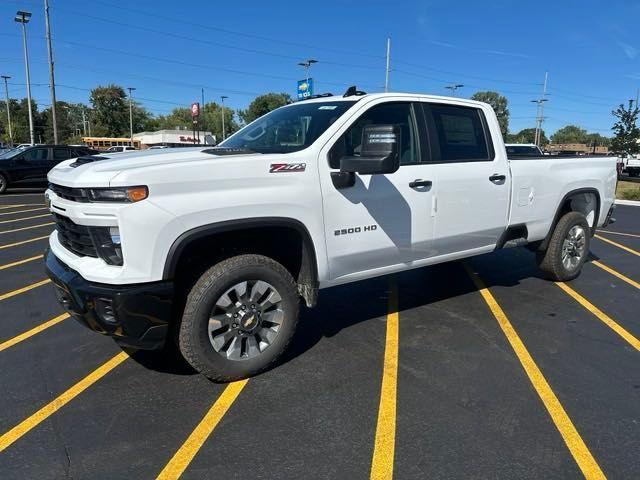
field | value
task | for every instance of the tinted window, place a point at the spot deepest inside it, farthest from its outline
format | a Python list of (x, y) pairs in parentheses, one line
[(522, 150), (400, 114), (36, 155), (60, 153), (460, 132)]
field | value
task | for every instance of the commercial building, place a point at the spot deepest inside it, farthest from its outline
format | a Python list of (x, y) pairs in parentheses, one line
[(174, 138)]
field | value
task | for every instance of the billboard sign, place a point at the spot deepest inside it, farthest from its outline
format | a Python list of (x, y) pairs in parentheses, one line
[(195, 109), (305, 88)]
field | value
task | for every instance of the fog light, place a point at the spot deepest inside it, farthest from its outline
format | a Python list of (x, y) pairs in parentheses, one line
[(115, 235), (104, 310)]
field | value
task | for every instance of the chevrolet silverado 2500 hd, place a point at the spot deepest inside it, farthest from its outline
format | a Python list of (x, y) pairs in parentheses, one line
[(213, 248)]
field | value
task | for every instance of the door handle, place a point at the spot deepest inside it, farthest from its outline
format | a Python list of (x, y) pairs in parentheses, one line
[(420, 183), (495, 178)]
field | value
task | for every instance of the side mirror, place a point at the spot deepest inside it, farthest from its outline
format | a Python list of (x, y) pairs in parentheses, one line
[(380, 151)]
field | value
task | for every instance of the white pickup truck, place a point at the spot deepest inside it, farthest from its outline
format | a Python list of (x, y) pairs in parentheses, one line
[(211, 249)]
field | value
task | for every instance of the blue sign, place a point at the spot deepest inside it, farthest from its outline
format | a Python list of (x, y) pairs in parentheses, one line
[(305, 88)]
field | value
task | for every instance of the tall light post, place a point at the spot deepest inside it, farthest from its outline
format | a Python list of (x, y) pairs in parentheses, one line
[(52, 83), (222, 97), (131, 89), (6, 94), (454, 87), (306, 65), (23, 18)]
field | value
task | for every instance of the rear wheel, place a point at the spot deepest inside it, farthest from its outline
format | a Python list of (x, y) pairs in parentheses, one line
[(239, 318), (4, 184), (568, 248)]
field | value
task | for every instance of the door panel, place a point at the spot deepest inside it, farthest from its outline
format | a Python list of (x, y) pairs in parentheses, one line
[(381, 220), (472, 203), (30, 165)]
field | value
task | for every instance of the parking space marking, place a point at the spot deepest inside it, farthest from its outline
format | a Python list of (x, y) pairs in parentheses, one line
[(24, 218), (608, 321), (579, 450), (185, 454), (5, 207), (17, 244), (27, 228), (384, 446), (13, 293), (8, 438), (34, 331), (630, 250), (610, 270), (619, 233), (24, 211), (20, 262)]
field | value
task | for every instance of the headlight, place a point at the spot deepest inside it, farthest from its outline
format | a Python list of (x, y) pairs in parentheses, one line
[(119, 194)]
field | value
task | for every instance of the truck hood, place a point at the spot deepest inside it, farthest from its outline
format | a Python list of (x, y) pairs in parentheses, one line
[(107, 166)]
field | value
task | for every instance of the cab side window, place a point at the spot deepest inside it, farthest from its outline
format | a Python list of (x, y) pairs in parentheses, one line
[(36, 155), (400, 114), (60, 154), (461, 134)]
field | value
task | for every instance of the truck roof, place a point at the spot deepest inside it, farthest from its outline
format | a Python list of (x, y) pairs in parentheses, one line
[(434, 98)]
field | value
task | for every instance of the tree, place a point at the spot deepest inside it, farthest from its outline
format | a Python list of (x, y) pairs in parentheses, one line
[(210, 120), (263, 104), (110, 110), (570, 134), (499, 105), (20, 121), (527, 135), (626, 130)]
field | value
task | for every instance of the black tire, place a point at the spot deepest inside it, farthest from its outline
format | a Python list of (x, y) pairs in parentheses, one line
[(550, 260), (4, 184), (193, 335)]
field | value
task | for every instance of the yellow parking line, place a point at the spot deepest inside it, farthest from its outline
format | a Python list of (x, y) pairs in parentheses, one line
[(16, 244), (27, 228), (24, 218), (20, 262), (30, 333), (630, 250), (384, 446), (619, 233), (57, 403), (610, 270), (581, 454), (24, 211), (4, 296), (4, 207), (609, 322), (185, 454)]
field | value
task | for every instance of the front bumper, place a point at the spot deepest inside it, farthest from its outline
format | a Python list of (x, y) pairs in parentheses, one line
[(134, 315)]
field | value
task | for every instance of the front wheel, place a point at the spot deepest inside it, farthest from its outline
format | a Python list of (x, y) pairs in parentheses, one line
[(568, 248), (239, 318)]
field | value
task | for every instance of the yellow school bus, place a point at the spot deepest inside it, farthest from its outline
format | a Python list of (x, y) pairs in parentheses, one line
[(104, 143)]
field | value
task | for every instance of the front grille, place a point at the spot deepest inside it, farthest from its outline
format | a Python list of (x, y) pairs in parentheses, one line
[(75, 238), (68, 193)]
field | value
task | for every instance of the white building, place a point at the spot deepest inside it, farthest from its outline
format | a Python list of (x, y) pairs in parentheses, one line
[(174, 138)]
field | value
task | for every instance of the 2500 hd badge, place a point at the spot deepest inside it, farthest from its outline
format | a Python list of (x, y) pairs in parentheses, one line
[(349, 231)]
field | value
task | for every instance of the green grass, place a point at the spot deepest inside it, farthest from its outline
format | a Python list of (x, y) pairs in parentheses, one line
[(628, 191)]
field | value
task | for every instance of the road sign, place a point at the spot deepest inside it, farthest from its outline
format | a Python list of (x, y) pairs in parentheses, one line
[(305, 88), (195, 109)]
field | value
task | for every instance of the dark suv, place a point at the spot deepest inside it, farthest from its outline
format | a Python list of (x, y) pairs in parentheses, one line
[(28, 167)]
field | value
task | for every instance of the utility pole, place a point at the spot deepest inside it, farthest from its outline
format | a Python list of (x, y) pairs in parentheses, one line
[(23, 18), (222, 97), (386, 73), (131, 89), (52, 82), (6, 93), (202, 122), (454, 87), (540, 110), (84, 122)]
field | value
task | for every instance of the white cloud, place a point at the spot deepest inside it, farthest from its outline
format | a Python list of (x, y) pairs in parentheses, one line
[(629, 50)]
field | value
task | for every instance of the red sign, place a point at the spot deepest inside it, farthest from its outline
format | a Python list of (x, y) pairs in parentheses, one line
[(195, 109)]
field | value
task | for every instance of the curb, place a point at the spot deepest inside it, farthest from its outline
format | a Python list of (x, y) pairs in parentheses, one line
[(632, 203)]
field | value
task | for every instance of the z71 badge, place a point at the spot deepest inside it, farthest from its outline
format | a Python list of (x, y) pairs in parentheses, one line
[(287, 167)]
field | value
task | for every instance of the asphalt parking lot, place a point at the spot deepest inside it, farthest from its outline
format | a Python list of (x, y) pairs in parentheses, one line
[(479, 369)]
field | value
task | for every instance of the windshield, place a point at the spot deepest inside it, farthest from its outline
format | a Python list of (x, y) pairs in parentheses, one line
[(288, 129), (11, 153)]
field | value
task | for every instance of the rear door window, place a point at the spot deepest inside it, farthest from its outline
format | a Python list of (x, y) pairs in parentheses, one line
[(60, 154), (36, 155)]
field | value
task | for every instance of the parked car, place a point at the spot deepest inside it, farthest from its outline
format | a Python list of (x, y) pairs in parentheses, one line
[(28, 166), (212, 249), (117, 149), (632, 166)]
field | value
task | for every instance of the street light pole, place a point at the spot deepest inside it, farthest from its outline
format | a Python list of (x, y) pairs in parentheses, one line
[(23, 18), (131, 89), (454, 87), (6, 93), (306, 64), (222, 97), (52, 83), (386, 72)]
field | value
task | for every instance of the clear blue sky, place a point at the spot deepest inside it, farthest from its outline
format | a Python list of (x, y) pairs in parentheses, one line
[(590, 48)]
